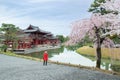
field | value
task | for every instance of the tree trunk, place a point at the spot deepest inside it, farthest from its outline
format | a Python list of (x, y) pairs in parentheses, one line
[(98, 51), (98, 47)]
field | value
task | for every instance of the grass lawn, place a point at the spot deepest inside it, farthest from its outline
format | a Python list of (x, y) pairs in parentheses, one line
[(113, 53)]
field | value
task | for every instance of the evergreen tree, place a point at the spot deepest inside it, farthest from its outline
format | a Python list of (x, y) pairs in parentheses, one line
[(10, 33)]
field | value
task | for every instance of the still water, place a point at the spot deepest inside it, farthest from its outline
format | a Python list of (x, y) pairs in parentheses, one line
[(72, 57), (67, 55)]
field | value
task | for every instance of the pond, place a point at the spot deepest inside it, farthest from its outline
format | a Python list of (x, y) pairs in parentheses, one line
[(67, 55)]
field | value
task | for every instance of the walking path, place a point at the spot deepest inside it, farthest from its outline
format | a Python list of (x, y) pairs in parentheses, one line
[(13, 68)]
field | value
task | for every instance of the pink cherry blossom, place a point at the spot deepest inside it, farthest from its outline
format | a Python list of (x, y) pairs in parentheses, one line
[(109, 22)]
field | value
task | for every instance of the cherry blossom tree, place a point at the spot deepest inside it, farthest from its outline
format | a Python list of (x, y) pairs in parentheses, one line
[(99, 26)]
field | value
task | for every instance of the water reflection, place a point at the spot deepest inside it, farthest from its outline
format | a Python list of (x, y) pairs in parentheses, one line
[(106, 66), (50, 52), (73, 58), (115, 67)]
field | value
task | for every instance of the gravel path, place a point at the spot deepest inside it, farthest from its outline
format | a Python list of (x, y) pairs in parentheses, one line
[(13, 68)]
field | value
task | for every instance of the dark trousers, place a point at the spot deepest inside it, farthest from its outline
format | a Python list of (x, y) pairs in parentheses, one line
[(45, 62)]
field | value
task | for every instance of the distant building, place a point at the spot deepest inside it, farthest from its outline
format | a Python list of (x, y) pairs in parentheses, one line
[(33, 36)]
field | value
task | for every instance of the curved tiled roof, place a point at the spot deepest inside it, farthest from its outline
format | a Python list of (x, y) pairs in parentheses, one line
[(32, 28)]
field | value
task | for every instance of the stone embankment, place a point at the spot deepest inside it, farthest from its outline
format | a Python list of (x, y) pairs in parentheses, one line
[(36, 49)]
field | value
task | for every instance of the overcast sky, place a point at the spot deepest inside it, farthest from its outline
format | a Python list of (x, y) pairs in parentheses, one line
[(50, 15)]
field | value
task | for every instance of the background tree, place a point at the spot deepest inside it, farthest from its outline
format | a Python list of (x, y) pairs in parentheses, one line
[(66, 38), (86, 41), (103, 22), (115, 38), (97, 8), (62, 38), (9, 31)]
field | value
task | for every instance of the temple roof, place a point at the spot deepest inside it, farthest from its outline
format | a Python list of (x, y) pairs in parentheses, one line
[(32, 28)]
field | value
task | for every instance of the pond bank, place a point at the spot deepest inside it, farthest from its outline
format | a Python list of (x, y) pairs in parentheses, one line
[(66, 64), (36, 49), (11, 65)]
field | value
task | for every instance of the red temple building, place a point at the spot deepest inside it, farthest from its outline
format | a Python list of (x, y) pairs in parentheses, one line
[(33, 37)]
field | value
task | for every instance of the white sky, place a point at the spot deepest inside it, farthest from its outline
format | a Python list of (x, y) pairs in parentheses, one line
[(50, 15)]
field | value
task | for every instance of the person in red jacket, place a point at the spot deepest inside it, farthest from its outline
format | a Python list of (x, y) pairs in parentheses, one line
[(45, 58)]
